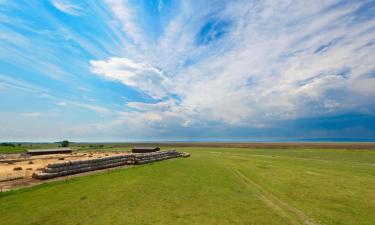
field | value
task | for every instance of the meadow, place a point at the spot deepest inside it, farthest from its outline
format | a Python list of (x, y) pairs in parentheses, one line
[(216, 185)]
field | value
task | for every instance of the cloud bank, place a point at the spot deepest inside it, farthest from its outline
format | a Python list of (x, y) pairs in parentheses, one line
[(258, 64), (131, 70)]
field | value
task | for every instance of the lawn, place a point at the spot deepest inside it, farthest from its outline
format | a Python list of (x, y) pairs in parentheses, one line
[(214, 186)]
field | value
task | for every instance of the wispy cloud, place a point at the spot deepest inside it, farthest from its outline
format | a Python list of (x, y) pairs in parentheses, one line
[(270, 71), (95, 108), (142, 76), (126, 15), (9, 82), (160, 6), (67, 6), (31, 114), (192, 67), (69, 103)]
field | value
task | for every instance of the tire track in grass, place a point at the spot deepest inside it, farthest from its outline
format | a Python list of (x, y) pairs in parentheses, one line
[(327, 171), (283, 209)]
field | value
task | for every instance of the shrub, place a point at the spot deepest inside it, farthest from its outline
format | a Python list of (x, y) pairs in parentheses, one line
[(8, 144), (65, 143)]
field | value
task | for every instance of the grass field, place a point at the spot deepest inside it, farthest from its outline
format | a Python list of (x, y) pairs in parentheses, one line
[(9, 149), (74, 146), (214, 186)]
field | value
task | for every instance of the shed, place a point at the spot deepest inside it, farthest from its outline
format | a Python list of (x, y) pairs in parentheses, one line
[(145, 149), (49, 151)]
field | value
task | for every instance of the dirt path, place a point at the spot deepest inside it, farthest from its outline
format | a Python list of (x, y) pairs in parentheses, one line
[(283, 209)]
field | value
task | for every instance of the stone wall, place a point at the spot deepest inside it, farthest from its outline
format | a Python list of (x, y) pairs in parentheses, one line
[(80, 166), (143, 158)]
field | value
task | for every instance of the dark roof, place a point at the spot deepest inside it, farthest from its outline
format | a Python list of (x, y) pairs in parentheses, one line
[(146, 148), (48, 150)]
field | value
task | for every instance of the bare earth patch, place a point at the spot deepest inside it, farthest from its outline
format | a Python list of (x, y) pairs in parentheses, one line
[(16, 171)]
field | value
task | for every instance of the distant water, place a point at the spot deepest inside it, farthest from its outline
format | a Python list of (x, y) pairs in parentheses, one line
[(261, 140)]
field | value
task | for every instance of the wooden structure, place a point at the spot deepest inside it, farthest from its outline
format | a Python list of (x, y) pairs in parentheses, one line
[(49, 151), (145, 149)]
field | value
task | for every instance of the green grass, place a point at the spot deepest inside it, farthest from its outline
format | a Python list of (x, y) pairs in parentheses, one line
[(213, 186), (10, 149), (74, 146), (83, 147), (23, 147)]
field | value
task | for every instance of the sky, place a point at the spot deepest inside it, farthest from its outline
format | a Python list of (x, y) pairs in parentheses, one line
[(166, 70)]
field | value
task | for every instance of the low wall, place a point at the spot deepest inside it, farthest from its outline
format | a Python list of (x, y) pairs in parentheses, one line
[(142, 158), (80, 166)]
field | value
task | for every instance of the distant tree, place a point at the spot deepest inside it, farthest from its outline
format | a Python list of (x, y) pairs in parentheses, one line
[(19, 144), (7, 144), (65, 143)]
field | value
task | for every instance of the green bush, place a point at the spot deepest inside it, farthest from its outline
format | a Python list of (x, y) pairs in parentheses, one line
[(65, 143), (8, 144)]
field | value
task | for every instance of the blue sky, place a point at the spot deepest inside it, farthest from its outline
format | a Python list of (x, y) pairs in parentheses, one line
[(186, 70)]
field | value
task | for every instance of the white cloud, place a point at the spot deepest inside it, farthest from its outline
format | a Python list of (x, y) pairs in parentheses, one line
[(31, 114), (98, 109), (266, 68), (67, 6), (95, 108), (275, 61), (61, 103), (142, 76), (160, 106), (126, 15)]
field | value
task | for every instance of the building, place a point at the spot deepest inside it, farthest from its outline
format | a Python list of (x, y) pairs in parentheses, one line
[(49, 151), (145, 149)]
